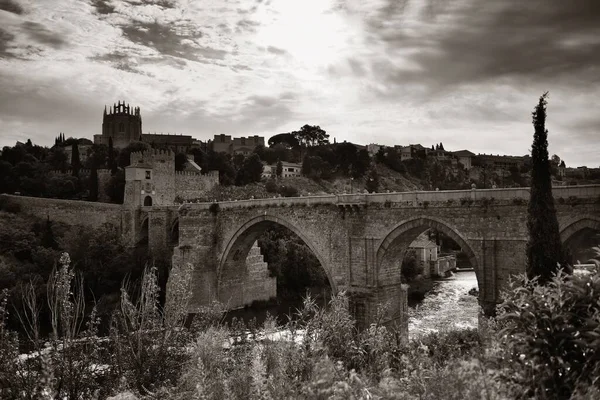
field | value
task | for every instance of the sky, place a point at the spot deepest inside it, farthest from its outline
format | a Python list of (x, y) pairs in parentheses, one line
[(466, 73)]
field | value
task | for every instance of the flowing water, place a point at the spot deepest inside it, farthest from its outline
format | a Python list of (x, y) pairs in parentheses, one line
[(447, 306)]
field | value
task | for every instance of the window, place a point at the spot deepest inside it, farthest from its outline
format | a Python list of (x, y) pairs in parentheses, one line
[(148, 201), (148, 175)]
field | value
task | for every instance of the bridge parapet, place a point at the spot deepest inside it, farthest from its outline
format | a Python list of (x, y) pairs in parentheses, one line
[(411, 198)]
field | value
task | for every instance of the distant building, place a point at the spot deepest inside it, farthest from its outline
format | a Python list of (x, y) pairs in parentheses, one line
[(291, 169), (268, 171), (242, 145), (176, 143), (412, 151), (465, 157), (427, 254), (499, 162)]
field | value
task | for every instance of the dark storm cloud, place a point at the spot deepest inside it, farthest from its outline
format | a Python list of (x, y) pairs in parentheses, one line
[(11, 6), (167, 4), (166, 40), (41, 34), (5, 39), (534, 39), (103, 7)]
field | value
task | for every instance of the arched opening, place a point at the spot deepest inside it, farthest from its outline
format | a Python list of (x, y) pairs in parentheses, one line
[(269, 266), (579, 239), (147, 201), (142, 238), (175, 233), (440, 272)]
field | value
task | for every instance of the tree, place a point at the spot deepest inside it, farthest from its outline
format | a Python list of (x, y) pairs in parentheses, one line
[(93, 184), (311, 135), (279, 169), (287, 140), (250, 171), (112, 165), (133, 147), (180, 161), (441, 147), (544, 248), (115, 189), (75, 162), (372, 183)]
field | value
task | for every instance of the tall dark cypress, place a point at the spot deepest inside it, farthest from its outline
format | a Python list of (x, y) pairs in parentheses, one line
[(75, 162), (94, 184), (544, 248), (112, 165)]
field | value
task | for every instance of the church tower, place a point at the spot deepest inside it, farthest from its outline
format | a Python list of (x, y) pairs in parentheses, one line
[(122, 123)]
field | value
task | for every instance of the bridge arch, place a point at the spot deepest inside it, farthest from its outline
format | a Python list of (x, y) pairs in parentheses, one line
[(575, 226), (237, 248), (578, 240), (396, 242)]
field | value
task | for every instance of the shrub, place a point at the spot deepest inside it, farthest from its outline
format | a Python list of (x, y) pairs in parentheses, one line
[(551, 334), (271, 186), (214, 208), (288, 191), (519, 201)]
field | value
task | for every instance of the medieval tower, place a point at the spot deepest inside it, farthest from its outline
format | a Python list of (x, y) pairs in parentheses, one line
[(122, 123)]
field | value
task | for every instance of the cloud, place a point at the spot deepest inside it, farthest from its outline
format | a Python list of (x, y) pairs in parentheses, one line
[(5, 39), (103, 7), (475, 41), (11, 6), (42, 35)]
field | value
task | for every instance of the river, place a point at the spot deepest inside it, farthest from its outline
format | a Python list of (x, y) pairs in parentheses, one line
[(447, 306)]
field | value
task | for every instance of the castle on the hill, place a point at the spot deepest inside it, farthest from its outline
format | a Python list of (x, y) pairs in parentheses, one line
[(151, 180)]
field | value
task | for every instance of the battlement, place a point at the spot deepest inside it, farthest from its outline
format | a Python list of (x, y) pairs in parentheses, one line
[(151, 156), (187, 173), (122, 108), (83, 171)]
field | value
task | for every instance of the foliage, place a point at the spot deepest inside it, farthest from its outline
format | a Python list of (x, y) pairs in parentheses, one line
[(250, 170), (410, 266), (550, 334), (115, 189), (125, 154), (180, 161), (279, 169), (372, 180), (93, 185), (544, 247)]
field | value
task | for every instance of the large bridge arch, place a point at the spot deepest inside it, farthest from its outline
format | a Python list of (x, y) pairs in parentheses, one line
[(232, 261), (577, 225), (397, 240)]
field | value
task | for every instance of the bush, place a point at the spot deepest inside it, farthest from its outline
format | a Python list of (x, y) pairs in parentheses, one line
[(288, 191), (551, 334), (271, 186)]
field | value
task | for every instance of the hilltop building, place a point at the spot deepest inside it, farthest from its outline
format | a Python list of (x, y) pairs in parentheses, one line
[(122, 123), (233, 146), (465, 157)]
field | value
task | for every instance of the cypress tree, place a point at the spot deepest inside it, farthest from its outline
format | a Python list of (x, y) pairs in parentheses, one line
[(75, 162), (544, 248), (112, 165), (94, 184), (279, 169), (48, 239)]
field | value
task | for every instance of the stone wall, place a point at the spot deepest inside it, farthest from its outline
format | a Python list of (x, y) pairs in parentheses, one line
[(73, 212)]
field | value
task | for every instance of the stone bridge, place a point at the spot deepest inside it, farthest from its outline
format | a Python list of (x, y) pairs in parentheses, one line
[(360, 239)]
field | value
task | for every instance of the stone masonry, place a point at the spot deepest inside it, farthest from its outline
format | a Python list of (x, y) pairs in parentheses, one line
[(360, 239)]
